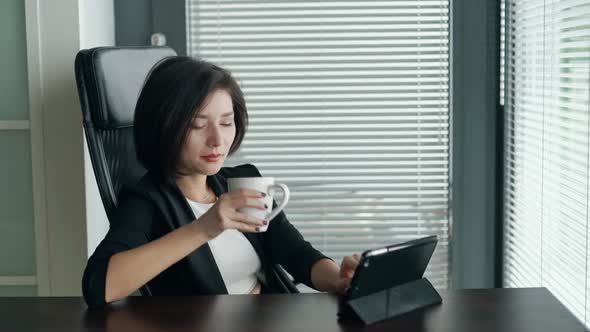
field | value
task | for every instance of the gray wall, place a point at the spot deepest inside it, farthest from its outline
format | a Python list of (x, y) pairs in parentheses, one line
[(136, 20), (17, 233), (476, 118)]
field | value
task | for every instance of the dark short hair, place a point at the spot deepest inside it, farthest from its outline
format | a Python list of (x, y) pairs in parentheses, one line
[(173, 93)]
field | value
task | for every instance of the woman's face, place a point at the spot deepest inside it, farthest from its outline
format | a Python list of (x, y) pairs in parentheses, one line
[(210, 136)]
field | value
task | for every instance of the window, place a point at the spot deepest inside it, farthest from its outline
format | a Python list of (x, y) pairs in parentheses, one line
[(546, 149), (348, 102)]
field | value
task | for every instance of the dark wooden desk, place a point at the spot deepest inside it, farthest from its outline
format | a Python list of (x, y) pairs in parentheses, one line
[(492, 310)]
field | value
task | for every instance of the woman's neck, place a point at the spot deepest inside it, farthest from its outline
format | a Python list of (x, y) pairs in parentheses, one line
[(194, 187)]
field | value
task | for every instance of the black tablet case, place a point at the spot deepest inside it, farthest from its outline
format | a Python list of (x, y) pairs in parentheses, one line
[(412, 293)]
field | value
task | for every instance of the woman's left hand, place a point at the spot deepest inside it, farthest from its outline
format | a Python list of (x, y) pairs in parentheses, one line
[(347, 268)]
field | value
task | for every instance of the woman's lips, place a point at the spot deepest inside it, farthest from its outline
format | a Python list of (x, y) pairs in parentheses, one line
[(211, 158)]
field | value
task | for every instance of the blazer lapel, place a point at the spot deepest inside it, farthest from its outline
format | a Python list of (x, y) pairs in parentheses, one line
[(201, 261)]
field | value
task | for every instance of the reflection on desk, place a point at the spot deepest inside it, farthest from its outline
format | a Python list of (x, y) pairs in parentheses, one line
[(522, 310)]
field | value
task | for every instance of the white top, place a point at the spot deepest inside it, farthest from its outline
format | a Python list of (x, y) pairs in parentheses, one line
[(235, 257)]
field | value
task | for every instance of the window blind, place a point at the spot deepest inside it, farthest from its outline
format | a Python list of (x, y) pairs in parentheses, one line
[(547, 144), (348, 105)]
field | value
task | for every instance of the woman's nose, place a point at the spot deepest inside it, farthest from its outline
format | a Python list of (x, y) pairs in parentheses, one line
[(215, 137)]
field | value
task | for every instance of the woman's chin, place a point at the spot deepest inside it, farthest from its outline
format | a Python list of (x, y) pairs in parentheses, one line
[(210, 168)]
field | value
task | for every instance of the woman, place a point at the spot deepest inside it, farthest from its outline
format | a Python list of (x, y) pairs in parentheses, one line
[(178, 230)]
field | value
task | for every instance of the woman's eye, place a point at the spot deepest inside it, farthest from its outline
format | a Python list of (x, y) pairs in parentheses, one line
[(201, 126)]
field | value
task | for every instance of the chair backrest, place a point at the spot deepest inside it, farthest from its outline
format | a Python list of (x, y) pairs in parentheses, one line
[(109, 81)]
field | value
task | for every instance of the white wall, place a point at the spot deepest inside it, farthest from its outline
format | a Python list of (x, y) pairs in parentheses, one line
[(97, 23), (97, 28), (56, 30)]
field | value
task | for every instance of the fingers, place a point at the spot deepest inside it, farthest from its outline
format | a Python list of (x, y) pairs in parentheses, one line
[(350, 262), (342, 286), (246, 228), (245, 192), (247, 219), (230, 204), (249, 202), (246, 223), (247, 198), (348, 266)]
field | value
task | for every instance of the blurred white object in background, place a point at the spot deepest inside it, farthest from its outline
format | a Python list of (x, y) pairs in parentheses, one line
[(158, 39)]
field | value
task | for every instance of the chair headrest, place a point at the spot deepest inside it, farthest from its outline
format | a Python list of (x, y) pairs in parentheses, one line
[(111, 79)]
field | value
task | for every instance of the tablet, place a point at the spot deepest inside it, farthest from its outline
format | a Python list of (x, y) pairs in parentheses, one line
[(393, 265)]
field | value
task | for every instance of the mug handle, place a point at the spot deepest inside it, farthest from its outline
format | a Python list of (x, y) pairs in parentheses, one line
[(281, 206)]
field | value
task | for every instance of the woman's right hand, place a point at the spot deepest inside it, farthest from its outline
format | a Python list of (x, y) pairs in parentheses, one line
[(224, 213)]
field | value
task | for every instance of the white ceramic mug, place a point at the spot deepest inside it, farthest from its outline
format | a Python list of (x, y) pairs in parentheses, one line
[(266, 185)]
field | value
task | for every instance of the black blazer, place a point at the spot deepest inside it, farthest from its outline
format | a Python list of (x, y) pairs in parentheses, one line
[(151, 209)]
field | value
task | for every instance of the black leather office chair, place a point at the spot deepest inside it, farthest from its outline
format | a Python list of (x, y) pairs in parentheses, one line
[(109, 81)]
